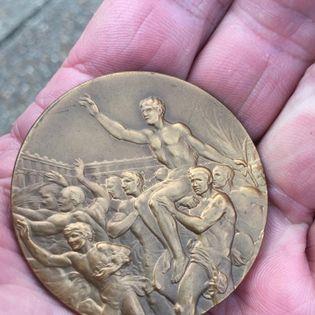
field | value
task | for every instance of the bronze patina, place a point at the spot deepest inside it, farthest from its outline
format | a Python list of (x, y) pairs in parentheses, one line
[(138, 193)]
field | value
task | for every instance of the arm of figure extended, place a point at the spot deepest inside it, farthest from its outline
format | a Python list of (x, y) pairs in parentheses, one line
[(34, 215), (43, 228), (99, 207), (204, 149), (55, 177), (199, 224), (121, 223), (44, 257), (119, 131), (113, 127), (95, 188)]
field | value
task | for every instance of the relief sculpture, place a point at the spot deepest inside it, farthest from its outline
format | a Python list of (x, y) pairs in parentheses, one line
[(172, 233)]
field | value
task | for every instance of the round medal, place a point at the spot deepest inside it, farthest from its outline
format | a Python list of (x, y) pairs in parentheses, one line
[(139, 193)]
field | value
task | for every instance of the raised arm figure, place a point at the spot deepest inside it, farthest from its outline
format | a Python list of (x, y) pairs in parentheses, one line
[(55, 177), (98, 263), (173, 146), (71, 209), (95, 188), (49, 194), (116, 129), (44, 257)]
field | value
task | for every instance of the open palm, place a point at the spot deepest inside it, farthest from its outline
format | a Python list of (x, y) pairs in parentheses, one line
[(256, 57)]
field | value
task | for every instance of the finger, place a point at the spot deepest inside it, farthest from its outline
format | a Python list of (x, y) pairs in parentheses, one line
[(19, 221), (85, 97), (89, 101), (84, 104), (288, 153), (86, 100), (161, 36), (256, 57), (280, 276)]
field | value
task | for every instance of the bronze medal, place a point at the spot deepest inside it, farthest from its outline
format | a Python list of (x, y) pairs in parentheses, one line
[(138, 193)]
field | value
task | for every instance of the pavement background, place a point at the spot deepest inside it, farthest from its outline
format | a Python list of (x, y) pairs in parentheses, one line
[(35, 38)]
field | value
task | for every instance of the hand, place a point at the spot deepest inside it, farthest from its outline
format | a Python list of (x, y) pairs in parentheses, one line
[(240, 163), (256, 63), (57, 178), (135, 213), (79, 168), (23, 229), (80, 216), (189, 202), (89, 104)]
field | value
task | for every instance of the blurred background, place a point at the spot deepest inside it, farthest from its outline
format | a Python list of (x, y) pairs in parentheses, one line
[(35, 38)]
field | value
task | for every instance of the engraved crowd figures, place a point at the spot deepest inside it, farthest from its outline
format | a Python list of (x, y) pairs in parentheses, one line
[(174, 236)]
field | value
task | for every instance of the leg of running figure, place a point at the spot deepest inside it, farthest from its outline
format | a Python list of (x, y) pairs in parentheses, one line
[(169, 194), (193, 284)]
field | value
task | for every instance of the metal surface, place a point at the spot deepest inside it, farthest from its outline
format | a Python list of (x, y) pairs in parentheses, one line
[(139, 193)]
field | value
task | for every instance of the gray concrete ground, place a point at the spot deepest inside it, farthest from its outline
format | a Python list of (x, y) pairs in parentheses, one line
[(35, 37)]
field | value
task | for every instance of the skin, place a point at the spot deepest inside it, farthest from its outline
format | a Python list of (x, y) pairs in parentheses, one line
[(50, 203), (256, 81), (127, 218), (173, 146), (49, 199), (221, 177), (246, 200), (84, 257), (218, 218), (68, 212), (97, 190), (113, 185)]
